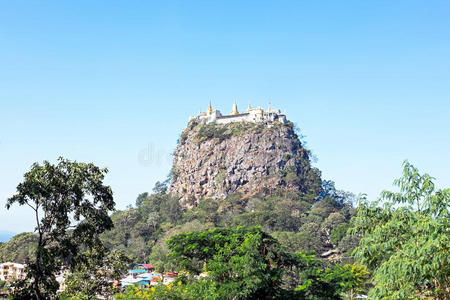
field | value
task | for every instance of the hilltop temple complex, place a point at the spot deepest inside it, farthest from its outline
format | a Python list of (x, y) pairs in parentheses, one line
[(254, 115)]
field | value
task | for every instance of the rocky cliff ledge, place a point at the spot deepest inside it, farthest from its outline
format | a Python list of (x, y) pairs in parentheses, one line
[(214, 160)]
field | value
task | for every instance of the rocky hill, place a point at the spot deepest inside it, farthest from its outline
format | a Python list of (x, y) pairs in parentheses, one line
[(213, 161)]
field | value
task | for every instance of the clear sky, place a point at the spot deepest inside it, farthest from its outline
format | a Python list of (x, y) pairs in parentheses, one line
[(114, 83)]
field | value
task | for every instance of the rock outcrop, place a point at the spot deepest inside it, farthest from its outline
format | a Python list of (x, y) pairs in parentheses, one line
[(214, 160)]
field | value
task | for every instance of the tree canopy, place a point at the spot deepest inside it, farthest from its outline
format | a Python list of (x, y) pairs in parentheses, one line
[(406, 239), (248, 263), (71, 206), (244, 262)]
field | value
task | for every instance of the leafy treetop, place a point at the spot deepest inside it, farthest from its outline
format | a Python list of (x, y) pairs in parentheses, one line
[(406, 239)]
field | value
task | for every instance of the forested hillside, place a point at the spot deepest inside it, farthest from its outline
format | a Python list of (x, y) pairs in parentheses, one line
[(232, 175), (401, 244), (142, 230), (302, 211), (300, 224), (19, 248)]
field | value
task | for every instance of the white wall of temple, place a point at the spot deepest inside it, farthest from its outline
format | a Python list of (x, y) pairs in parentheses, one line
[(234, 119), (254, 115)]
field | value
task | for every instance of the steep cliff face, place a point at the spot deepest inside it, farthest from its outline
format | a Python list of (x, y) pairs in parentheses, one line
[(215, 160)]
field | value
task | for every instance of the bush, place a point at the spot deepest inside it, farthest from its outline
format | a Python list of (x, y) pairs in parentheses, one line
[(210, 131), (338, 233)]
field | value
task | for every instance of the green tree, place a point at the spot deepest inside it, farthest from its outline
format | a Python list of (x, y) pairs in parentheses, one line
[(161, 187), (158, 256), (96, 275), (140, 198), (406, 239), (71, 206), (242, 263), (171, 210), (339, 232), (335, 282)]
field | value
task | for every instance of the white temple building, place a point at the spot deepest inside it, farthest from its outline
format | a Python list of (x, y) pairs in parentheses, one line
[(254, 115)]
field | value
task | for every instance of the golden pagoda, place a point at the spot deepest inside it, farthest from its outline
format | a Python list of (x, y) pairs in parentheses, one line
[(235, 110), (209, 110)]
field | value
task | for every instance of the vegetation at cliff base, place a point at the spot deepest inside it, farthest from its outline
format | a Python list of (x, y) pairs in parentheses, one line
[(142, 231), (407, 239), (247, 263), (285, 245)]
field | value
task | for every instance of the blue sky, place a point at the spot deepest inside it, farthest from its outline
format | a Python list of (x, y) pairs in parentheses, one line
[(114, 83)]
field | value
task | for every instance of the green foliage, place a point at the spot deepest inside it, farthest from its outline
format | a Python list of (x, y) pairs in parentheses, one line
[(95, 276), (183, 137), (71, 207), (406, 239), (141, 197), (339, 232), (210, 131), (335, 282), (171, 210), (244, 262), (142, 231), (158, 256), (221, 132), (137, 229), (247, 263), (309, 238), (324, 207), (292, 179), (159, 292)]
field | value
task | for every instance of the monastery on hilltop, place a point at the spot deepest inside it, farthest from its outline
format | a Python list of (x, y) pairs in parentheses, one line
[(254, 115)]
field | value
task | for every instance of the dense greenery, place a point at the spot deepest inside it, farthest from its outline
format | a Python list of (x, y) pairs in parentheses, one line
[(247, 263), (287, 245), (314, 218), (71, 207), (404, 245), (95, 275), (222, 132), (294, 218), (19, 249), (407, 239), (242, 263), (145, 232)]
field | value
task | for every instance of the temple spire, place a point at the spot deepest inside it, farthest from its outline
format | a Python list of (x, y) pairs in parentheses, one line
[(235, 110), (209, 110), (249, 107)]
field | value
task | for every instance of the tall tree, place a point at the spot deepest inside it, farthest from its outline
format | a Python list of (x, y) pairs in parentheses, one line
[(406, 239), (71, 206), (242, 263)]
